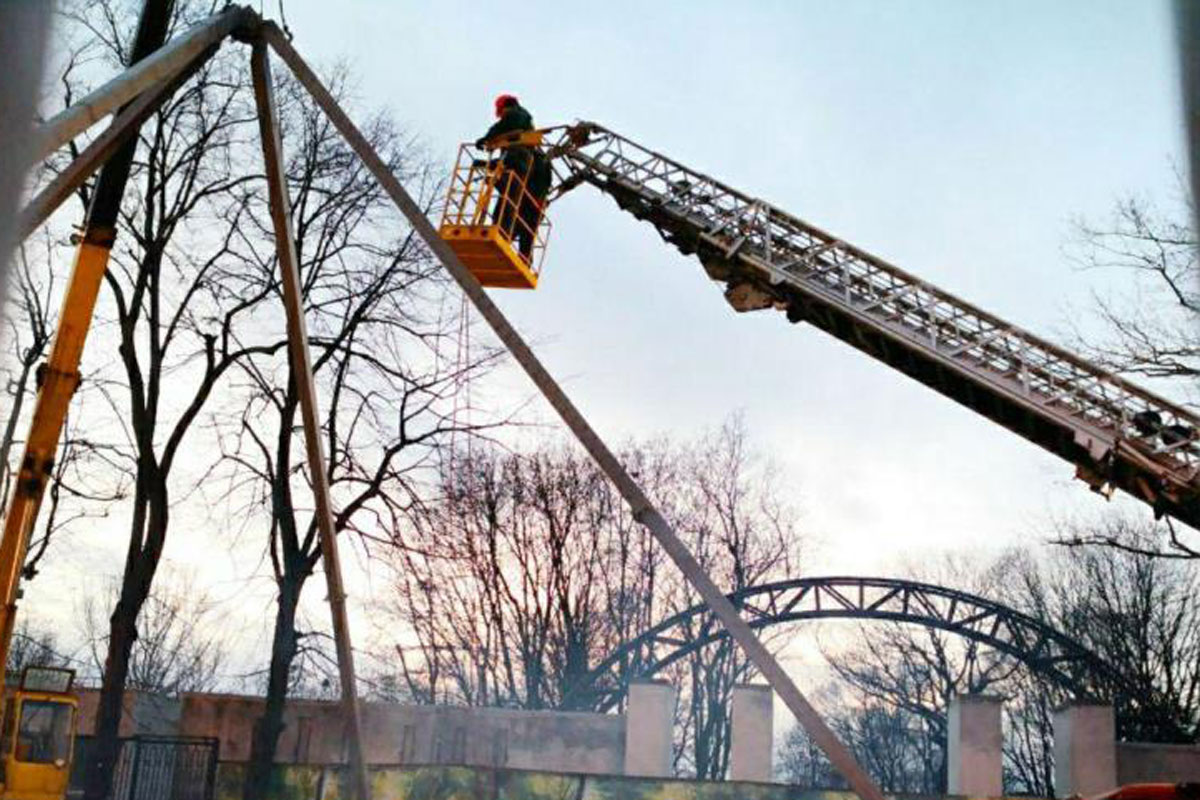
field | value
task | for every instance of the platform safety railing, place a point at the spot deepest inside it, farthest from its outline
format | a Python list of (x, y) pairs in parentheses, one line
[(483, 193)]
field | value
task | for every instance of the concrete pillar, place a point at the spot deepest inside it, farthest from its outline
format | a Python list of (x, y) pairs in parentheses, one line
[(1085, 750), (751, 734), (649, 720), (975, 756)]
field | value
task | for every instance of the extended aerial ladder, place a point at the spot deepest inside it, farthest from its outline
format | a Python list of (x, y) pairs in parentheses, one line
[(1117, 434)]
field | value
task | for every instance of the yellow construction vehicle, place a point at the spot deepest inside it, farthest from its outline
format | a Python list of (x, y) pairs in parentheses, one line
[(38, 736)]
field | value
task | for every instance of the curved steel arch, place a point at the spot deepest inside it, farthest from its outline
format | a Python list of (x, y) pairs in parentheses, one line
[(1043, 649)]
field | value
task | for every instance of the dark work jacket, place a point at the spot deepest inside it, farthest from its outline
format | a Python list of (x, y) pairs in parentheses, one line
[(541, 177), (515, 118)]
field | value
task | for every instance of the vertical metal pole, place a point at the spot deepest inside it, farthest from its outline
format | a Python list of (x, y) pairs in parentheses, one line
[(23, 28), (285, 243), (643, 510), (1187, 40)]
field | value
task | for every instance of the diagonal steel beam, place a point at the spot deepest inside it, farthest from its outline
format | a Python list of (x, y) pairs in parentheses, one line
[(285, 244), (124, 126), (643, 510), (160, 67)]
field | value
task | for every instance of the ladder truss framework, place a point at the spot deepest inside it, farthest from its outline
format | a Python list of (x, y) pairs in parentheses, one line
[(1117, 434)]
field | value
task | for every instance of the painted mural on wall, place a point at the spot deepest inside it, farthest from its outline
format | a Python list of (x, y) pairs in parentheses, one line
[(473, 783)]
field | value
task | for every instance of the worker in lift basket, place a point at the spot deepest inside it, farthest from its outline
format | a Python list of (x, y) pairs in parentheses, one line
[(520, 163)]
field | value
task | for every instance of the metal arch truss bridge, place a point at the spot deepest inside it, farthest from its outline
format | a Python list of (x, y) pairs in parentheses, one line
[(1046, 651)]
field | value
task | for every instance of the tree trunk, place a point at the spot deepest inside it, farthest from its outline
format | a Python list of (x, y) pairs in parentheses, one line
[(270, 725), (122, 635), (151, 515)]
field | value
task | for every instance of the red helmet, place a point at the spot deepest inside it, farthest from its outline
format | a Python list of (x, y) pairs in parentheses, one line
[(504, 101)]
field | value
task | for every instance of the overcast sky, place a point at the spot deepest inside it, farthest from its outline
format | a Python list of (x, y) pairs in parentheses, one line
[(956, 140)]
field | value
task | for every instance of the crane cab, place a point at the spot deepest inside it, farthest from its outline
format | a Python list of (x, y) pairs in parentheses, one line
[(38, 736), (494, 220)]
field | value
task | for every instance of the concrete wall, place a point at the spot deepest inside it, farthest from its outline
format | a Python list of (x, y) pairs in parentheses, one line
[(402, 734), (1089, 760), (482, 783), (140, 713), (1152, 763)]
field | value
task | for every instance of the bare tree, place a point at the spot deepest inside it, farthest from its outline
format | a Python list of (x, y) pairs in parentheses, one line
[(906, 675), (730, 507), (30, 321), (1138, 612), (915, 673), (1029, 734), (530, 571), (180, 645), (1151, 325), (372, 295), (892, 743), (1153, 328), (34, 646), (30, 318), (801, 762), (180, 296), (899, 683), (506, 590)]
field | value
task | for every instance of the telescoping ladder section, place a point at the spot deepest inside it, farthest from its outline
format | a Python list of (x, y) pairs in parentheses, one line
[(1117, 434)]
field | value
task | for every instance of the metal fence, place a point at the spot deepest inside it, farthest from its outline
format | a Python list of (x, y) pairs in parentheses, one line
[(156, 768)]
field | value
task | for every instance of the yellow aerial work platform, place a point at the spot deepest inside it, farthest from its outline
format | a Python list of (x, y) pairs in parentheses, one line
[(492, 221)]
